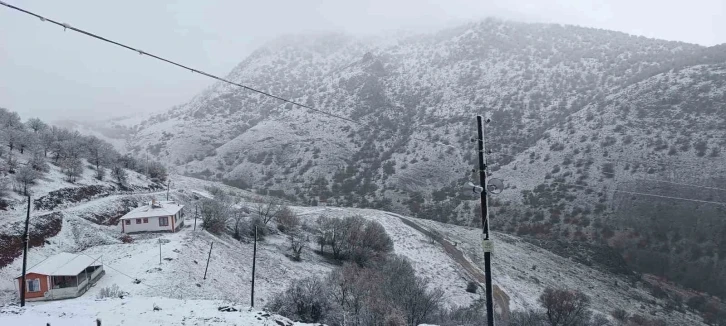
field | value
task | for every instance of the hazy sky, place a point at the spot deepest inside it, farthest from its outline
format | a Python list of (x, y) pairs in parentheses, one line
[(53, 74)]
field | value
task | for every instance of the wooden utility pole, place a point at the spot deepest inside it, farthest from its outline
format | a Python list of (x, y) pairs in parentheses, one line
[(254, 260), (208, 258), (159, 251), (168, 183), (26, 238), (486, 242), (195, 217)]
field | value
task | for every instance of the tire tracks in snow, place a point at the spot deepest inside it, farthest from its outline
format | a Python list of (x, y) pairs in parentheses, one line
[(501, 299)]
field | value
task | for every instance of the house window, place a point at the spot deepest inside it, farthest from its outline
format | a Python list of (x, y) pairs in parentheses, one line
[(138, 221), (163, 221), (146, 220), (33, 285), (128, 222)]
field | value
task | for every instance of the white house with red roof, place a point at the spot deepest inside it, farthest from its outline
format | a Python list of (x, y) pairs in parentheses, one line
[(157, 216)]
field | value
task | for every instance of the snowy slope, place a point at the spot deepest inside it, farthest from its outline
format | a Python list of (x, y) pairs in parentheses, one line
[(173, 272), (138, 311)]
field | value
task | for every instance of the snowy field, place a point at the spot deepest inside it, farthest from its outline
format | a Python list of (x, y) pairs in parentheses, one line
[(169, 268), (138, 312)]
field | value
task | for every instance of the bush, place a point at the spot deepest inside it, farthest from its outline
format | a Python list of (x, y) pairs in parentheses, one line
[(387, 294), (297, 244), (353, 238), (214, 215), (111, 292), (619, 314), (118, 173), (697, 303), (527, 318), (565, 307), (471, 287), (305, 300), (287, 221)]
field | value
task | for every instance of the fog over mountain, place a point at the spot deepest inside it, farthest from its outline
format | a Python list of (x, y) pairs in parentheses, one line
[(607, 134)]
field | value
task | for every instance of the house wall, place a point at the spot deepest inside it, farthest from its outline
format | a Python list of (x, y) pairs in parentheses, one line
[(152, 226), (44, 281)]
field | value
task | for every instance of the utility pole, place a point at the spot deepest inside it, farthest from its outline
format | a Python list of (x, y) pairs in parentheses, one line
[(486, 243), (254, 260), (208, 258), (26, 238), (168, 183), (195, 217), (159, 251)]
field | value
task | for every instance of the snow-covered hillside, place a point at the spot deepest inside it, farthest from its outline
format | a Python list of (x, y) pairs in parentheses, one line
[(581, 119), (168, 269), (141, 311)]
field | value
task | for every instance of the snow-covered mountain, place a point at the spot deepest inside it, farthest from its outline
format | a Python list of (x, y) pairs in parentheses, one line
[(581, 120)]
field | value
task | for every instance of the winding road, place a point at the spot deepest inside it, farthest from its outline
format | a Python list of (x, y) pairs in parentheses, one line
[(501, 299)]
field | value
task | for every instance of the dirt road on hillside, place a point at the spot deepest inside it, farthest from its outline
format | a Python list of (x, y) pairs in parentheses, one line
[(501, 299)]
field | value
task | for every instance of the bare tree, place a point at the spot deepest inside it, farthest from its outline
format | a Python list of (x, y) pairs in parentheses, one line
[(527, 318), (36, 125), (99, 152), (267, 210), (305, 300), (72, 168), (118, 173), (565, 307), (37, 162), (287, 220), (215, 215), (297, 244), (26, 177), (238, 219), (3, 187), (11, 128)]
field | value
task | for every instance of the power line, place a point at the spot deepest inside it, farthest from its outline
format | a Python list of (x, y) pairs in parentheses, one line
[(67, 26), (671, 197), (140, 52), (672, 182)]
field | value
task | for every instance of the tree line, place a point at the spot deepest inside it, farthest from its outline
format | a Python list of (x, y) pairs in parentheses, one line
[(29, 147)]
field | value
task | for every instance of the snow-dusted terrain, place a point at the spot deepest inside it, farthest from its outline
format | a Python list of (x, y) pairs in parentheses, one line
[(139, 311), (171, 274)]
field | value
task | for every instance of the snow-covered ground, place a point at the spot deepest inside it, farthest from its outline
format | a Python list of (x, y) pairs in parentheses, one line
[(171, 274), (137, 311)]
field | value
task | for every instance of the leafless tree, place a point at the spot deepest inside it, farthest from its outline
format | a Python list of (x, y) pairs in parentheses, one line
[(26, 177), (99, 153), (267, 210), (3, 187), (215, 215), (72, 168), (305, 300), (37, 162), (527, 318), (287, 220), (297, 244), (565, 307), (36, 125), (238, 217), (118, 173)]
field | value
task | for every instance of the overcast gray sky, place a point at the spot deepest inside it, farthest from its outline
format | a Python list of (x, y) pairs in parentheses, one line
[(53, 74)]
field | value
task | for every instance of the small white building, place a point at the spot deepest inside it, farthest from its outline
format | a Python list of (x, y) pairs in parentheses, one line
[(155, 217)]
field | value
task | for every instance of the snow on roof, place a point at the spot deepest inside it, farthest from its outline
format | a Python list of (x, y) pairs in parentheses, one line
[(64, 264), (164, 208)]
